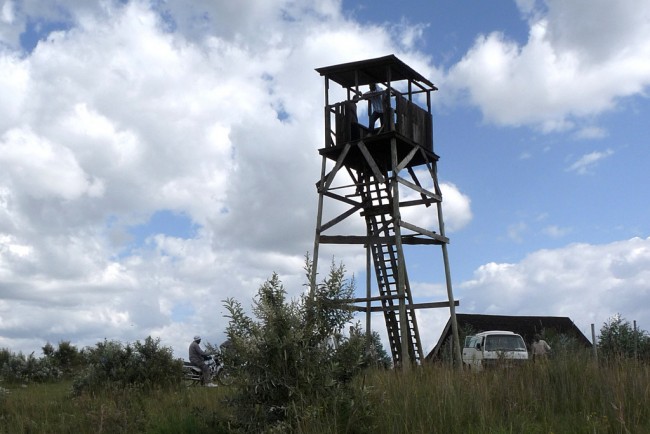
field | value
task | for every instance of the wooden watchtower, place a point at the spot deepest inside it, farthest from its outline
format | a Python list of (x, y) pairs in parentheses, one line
[(365, 170)]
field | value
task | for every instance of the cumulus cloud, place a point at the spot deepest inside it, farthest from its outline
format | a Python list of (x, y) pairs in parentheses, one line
[(580, 58), (42, 169), (582, 281), (122, 110), (456, 206)]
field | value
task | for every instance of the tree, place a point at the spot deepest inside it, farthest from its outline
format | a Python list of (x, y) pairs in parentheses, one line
[(48, 350), (618, 339), (287, 359)]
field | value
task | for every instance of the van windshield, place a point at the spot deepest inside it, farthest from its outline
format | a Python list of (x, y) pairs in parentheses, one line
[(504, 343)]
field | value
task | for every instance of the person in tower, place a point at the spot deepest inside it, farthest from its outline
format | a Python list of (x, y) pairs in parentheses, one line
[(376, 97), (197, 357)]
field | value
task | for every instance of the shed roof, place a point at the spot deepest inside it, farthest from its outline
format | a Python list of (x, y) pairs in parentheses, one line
[(526, 326), (376, 70)]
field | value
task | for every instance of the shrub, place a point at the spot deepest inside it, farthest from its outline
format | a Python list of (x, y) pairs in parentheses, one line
[(18, 368), (368, 351), (288, 362), (110, 364), (618, 339), (65, 357)]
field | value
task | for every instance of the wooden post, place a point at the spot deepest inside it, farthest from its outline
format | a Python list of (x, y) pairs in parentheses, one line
[(319, 217), (635, 341), (593, 340), (458, 356), (368, 293)]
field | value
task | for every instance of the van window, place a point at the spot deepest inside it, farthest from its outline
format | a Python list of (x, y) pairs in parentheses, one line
[(470, 341), (504, 343)]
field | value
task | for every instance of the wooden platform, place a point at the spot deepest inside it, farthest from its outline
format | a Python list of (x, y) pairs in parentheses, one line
[(379, 148)]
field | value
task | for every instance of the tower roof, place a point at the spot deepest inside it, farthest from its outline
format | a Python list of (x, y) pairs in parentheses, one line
[(377, 70)]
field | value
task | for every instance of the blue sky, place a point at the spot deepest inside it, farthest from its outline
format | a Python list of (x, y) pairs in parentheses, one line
[(158, 157)]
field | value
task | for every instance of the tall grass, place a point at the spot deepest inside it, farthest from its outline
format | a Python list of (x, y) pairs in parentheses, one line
[(52, 408), (564, 395), (567, 395)]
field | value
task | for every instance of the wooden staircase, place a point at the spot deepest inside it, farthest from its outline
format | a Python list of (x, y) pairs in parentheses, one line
[(378, 213)]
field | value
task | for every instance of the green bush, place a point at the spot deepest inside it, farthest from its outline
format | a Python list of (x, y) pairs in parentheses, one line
[(291, 364), (18, 368), (110, 364), (618, 339), (65, 357)]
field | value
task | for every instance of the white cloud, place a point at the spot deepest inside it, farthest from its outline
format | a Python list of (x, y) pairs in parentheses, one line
[(526, 6), (581, 57), (40, 168), (7, 12), (587, 283), (14, 78), (585, 163), (598, 33), (120, 114), (591, 132), (456, 206)]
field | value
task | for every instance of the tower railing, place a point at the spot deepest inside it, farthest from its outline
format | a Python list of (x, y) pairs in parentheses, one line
[(400, 115)]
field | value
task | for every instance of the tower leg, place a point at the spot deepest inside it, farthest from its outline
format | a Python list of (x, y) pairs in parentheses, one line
[(319, 222)]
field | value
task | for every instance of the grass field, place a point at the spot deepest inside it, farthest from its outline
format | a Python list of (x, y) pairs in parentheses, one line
[(51, 408), (561, 396)]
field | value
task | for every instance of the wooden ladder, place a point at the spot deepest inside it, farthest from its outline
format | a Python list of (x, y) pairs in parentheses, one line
[(378, 214)]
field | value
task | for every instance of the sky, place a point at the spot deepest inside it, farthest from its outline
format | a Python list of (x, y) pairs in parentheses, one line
[(158, 157)]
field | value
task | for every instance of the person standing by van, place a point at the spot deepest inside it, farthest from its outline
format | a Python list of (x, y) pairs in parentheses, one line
[(540, 348)]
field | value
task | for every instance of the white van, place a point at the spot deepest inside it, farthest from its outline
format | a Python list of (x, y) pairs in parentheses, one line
[(495, 347)]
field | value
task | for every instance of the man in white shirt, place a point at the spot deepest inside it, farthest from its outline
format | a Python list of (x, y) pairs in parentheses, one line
[(376, 97), (540, 348)]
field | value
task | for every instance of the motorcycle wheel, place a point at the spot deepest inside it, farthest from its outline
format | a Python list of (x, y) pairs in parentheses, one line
[(190, 381), (224, 378), (190, 378)]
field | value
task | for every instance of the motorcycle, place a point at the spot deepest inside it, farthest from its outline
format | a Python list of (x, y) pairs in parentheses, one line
[(218, 372)]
